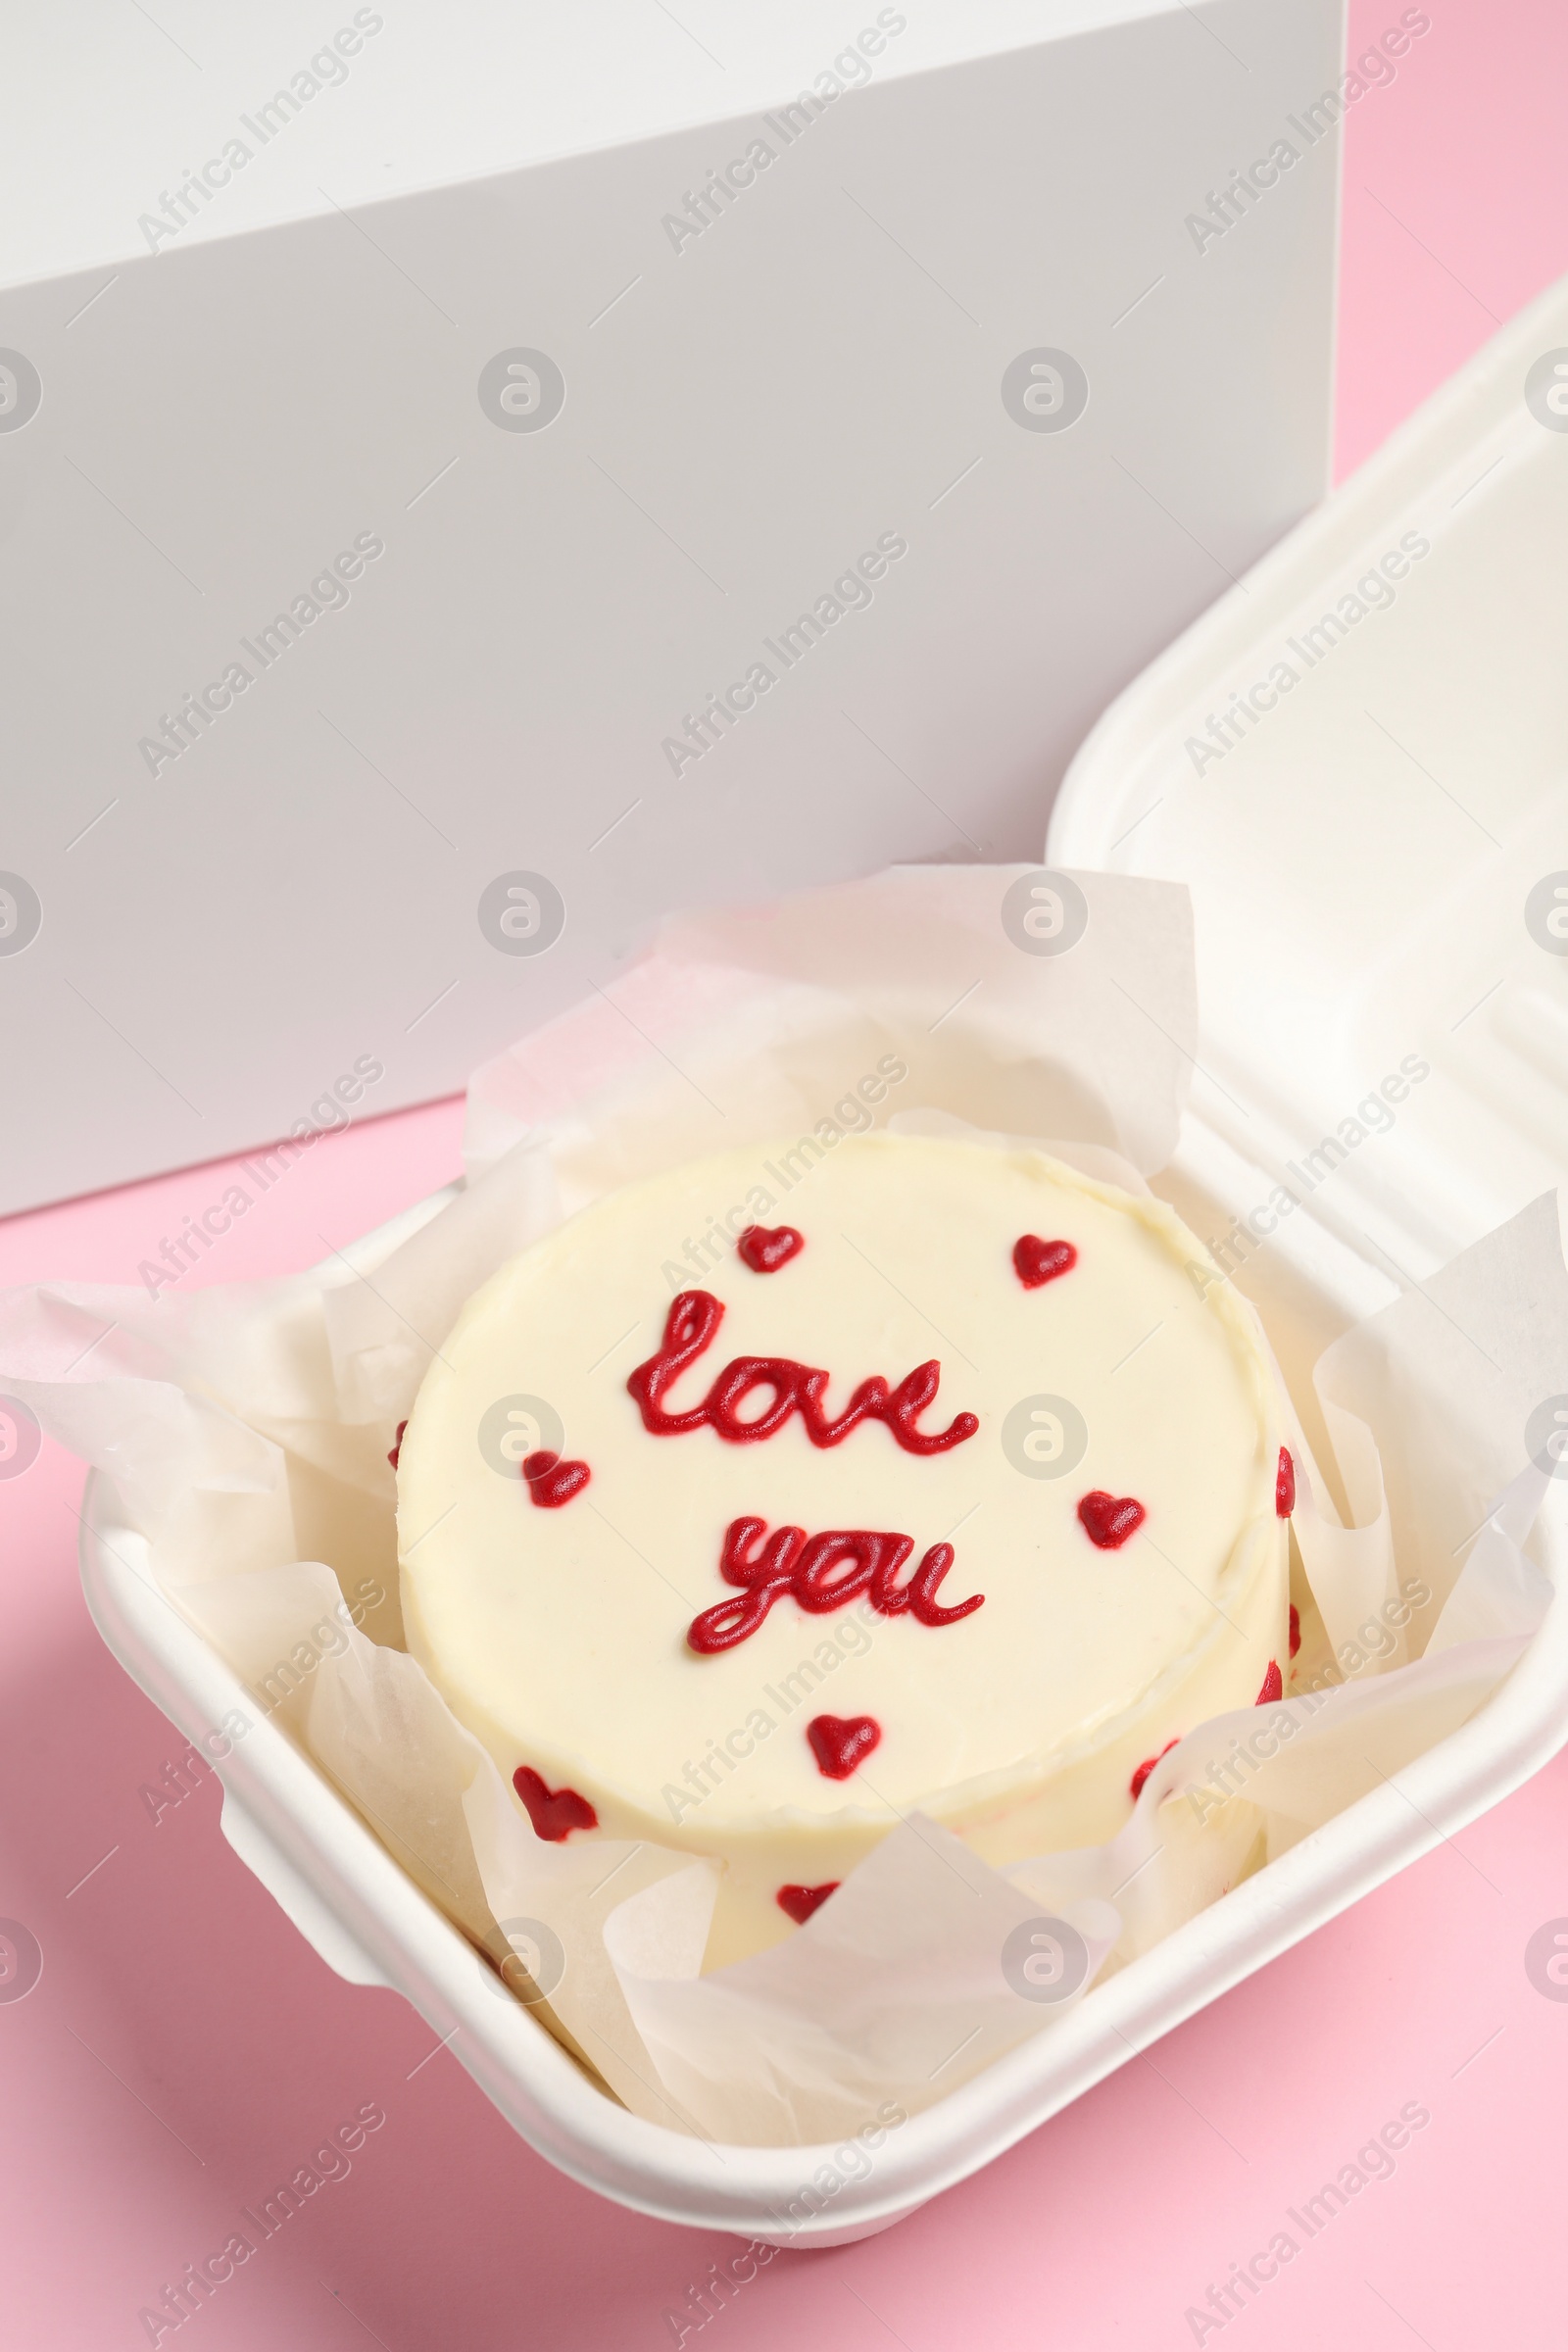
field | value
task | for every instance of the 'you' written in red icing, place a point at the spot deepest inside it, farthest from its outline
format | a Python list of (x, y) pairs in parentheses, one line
[(821, 1573)]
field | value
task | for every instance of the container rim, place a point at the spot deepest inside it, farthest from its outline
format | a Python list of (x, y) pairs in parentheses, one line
[(359, 1910)]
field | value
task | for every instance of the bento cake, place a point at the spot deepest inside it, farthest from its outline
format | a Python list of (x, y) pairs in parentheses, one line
[(941, 1485)]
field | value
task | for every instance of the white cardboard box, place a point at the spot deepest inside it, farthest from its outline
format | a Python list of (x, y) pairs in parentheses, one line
[(448, 626)]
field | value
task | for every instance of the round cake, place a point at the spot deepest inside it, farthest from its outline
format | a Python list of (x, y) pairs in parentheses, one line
[(776, 1497)]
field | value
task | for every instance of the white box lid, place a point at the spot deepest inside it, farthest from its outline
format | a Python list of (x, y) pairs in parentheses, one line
[(1379, 855), (429, 96)]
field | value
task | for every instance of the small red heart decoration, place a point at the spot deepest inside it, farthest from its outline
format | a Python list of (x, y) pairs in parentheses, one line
[(1036, 1261), (553, 1482), (1284, 1487), (554, 1812), (801, 1901), (1145, 1769), (397, 1444), (1296, 1629), (1109, 1519), (840, 1743), (767, 1247), (1273, 1686)]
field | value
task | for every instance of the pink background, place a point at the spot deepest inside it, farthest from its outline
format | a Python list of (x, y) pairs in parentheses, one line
[(184, 2050)]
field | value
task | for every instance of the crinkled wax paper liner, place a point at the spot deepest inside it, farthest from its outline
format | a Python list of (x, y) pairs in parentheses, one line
[(246, 1431)]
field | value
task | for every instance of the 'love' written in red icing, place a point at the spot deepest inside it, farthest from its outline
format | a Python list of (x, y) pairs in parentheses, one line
[(822, 1574), (693, 1319)]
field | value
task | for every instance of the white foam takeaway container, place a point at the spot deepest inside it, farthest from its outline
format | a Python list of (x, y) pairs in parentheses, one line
[(1413, 765)]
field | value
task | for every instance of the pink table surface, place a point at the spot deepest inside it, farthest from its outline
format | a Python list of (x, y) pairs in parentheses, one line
[(183, 2049)]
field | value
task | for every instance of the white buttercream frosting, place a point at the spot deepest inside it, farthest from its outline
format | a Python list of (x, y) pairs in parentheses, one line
[(559, 1635)]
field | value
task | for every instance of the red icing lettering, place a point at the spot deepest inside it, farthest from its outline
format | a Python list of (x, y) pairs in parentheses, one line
[(693, 1319), (821, 1572), (767, 1247), (553, 1482), (1273, 1686), (1284, 1487), (801, 1901), (1296, 1629), (554, 1812), (1136, 1784), (1036, 1261), (1109, 1519), (840, 1743), (397, 1444)]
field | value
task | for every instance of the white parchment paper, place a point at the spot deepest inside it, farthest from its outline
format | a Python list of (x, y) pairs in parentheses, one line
[(246, 1431)]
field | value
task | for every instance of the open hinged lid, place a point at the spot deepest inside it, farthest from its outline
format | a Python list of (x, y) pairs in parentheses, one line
[(1357, 760)]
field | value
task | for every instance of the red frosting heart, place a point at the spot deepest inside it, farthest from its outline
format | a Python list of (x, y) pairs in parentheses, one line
[(801, 1901), (553, 1482), (1145, 1769), (1109, 1519), (1284, 1487), (397, 1444), (1037, 1261), (1296, 1629), (554, 1812), (767, 1247), (840, 1743), (1273, 1686)]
